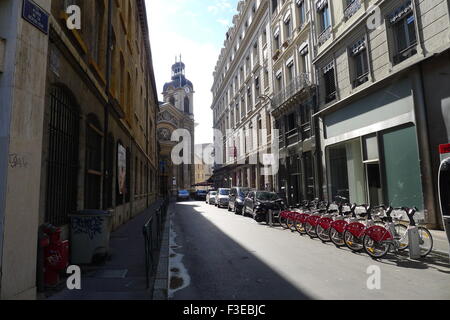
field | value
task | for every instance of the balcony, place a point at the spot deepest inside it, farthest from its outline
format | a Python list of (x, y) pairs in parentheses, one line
[(292, 137), (324, 36), (297, 84), (352, 8), (405, 54)]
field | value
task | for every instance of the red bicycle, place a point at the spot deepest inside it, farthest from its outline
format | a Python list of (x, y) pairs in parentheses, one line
[(355, 231), (338, 226)]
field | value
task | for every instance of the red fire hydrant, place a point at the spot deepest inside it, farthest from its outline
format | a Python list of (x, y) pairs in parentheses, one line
[(56, 256)]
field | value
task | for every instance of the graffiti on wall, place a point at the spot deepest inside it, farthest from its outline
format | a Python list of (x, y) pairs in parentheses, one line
[(91, 226)]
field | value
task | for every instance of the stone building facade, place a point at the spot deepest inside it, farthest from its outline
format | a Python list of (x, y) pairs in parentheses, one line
[(294, 99), (383, 104), (358, 90), (241, 104), (83, 129)]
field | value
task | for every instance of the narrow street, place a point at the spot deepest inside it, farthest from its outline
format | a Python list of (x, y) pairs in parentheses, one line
[(219, 255)]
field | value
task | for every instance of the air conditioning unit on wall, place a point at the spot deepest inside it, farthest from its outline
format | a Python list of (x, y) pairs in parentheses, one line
[(2, 53)]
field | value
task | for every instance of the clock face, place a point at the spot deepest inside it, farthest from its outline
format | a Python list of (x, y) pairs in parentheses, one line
[(187, 89)]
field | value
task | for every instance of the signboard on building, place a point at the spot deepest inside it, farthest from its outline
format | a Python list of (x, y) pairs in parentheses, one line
[(35, 15), (444, 151), (122, 169)]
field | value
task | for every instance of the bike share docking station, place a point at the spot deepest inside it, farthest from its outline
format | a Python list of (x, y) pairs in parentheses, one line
[(444, 187)]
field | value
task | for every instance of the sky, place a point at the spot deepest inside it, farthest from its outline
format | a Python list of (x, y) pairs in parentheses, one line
[(196, 30)]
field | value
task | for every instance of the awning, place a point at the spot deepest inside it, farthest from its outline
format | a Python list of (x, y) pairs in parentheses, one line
[(303, 48), (287, 17), (290, 62), (358, 47), (276, 32), (320, 4), (401, 12), (328, 67)]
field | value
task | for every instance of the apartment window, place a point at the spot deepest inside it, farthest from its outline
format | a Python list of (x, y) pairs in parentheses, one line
[(290, 71), (249, 99), (93, 178), (237, 113), (360, 63), (257, 86), (301, 9), (255, 53), (266, 78), (288, 26), (274, 5), (404, 32), (324, 15), (330, 82), (276, 38), (279, 81)]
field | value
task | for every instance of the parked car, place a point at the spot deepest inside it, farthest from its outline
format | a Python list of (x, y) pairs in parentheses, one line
[(183, 195), (258, 203), (222, 198), (211, 197), (200, 195), (237, 198)]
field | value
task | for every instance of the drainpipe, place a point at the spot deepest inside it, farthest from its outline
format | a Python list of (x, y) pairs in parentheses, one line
[(424, 146), (106, 119)]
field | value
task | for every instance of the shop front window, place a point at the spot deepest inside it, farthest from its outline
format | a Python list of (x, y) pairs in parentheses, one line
[(402, 169), (346, 171)]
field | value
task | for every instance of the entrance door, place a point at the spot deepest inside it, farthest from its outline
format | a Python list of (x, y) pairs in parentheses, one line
[(375, 192)]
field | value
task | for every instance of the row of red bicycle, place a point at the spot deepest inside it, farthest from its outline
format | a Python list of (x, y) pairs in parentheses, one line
[(377, 230)]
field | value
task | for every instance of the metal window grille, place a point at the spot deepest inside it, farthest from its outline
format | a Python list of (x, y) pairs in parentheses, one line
[(62, 163)]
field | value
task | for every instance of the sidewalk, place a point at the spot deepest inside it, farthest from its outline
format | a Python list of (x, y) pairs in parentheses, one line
[(122, 276)]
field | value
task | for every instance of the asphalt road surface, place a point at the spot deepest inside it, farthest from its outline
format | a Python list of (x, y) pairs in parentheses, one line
[(217, 255)]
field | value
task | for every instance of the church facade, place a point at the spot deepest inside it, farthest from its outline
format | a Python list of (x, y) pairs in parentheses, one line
[(176, 112)]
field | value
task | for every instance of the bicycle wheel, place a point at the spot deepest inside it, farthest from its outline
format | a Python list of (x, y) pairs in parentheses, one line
[(300, 227), (402, 236), (425, 241), (336, 237), (352, 242), (310, 230), (322, 233), (283, 223), (290, 224), (375, 249)]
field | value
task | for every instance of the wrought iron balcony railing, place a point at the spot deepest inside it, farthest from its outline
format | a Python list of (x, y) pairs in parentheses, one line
[(352, 8), (296, 85)]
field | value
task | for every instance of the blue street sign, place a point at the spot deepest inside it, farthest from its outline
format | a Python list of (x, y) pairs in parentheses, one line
[(35, 15)]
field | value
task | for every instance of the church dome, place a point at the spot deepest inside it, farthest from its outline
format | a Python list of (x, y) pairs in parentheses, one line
[(178, 77)]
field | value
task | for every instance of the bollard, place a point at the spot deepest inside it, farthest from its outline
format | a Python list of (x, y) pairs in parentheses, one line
[(271, 218), (414, 242)]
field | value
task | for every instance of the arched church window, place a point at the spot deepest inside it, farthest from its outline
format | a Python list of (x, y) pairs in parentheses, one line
[(186, 105), (172, 100)]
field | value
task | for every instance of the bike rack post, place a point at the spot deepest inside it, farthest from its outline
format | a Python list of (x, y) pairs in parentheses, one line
[(413, 236), (271, 218), (414, 242)]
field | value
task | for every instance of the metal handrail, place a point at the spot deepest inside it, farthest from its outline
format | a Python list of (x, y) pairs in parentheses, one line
[(150, 247)]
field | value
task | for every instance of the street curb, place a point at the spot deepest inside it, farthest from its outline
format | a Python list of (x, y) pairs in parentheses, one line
[(161, 287)]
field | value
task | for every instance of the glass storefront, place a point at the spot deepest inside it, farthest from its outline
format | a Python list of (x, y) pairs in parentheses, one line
[(381, 168)]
